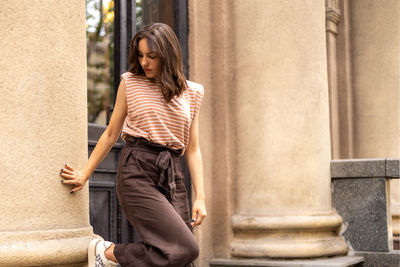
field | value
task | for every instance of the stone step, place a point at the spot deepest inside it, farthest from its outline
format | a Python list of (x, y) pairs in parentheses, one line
[(343, 261), (380, 259)]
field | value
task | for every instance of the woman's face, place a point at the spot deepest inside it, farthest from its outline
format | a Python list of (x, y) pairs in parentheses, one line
[(149, 61)]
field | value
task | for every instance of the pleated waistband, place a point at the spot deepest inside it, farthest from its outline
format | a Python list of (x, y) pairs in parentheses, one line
[(144, 144)]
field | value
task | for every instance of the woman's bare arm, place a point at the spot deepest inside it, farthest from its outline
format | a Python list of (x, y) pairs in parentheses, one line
[(104, 145), (195, 164)]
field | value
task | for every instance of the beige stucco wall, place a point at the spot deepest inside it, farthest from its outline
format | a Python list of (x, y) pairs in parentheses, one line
[(44, 119), (376, 67)]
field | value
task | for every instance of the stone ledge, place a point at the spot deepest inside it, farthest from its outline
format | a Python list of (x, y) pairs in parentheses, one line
[(343, 261), (392, 168), (365, 168), (381, 259)]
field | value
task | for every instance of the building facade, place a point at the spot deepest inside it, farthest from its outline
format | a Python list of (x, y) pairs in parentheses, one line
[(289, 86)]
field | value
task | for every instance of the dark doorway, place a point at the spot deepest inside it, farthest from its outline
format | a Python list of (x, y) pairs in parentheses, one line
[(106, 216)]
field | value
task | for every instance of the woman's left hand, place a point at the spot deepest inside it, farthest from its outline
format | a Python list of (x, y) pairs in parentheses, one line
[(198, 212)]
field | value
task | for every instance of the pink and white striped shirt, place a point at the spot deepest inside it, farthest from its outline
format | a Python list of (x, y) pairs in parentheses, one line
[(150, 117)]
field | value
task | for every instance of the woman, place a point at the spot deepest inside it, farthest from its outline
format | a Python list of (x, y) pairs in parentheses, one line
[(156, 108)]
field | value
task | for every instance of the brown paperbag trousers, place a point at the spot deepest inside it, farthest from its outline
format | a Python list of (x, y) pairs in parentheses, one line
[(151, 191)]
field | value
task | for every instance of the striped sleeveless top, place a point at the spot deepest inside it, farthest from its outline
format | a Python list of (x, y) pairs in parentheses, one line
[(150, 117)]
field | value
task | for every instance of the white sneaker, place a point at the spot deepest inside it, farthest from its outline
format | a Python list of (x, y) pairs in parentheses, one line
[(96, 256)]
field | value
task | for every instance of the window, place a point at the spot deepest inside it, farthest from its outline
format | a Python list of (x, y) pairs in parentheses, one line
[(100, 59)]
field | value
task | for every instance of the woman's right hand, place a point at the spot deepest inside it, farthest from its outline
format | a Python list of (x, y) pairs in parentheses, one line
[(73, 177), (105, 143)]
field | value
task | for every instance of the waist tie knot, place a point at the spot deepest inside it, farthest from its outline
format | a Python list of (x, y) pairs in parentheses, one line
[(167, 175), (164, 162)]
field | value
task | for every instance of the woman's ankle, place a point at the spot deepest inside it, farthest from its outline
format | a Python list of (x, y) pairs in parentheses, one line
[(109, 253)]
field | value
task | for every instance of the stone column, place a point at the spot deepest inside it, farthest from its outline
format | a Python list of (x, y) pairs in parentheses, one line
[(264, 129), (376, 68), (44, 125), (283, 206), (211, 63)]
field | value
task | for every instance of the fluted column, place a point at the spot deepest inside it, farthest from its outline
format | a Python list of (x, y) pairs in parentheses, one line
[(332, 19), (282, 184), (44, 125)]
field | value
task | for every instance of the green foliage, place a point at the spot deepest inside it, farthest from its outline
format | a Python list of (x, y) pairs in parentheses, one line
[(100, 57), (139, 16)]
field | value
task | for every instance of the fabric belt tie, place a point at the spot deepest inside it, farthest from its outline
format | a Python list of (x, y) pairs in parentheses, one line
[(167, 175), (164, 163), (165, 166)]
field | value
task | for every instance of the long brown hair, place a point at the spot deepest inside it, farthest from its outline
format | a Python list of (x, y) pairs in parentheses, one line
[(161, 40)]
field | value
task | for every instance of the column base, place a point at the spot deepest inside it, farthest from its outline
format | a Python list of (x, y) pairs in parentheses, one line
[(343, 261), (81, 264), (287, 237), (63, 247)]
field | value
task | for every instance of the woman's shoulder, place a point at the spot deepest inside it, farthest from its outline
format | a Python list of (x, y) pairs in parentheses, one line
[(131, 76), (195, 87)]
